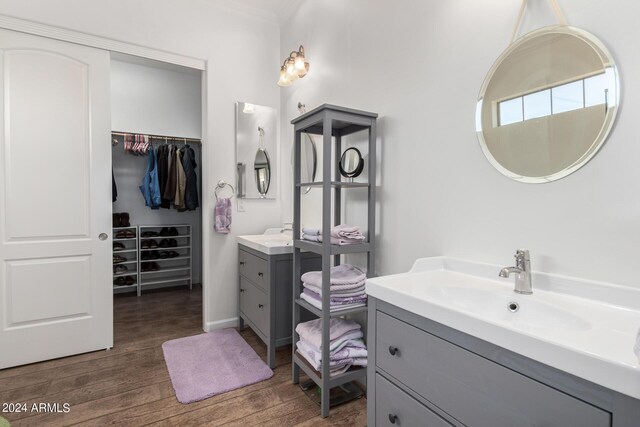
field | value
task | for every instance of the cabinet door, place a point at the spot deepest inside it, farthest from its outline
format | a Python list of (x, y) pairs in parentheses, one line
[(55, 199), (470, 388), (254, 268)]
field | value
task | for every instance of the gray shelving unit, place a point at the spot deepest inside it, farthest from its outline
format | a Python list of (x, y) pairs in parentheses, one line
[(333, 123), (130, 252)]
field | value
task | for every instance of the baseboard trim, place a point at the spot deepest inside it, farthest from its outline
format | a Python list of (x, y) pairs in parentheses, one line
[(221, 324)]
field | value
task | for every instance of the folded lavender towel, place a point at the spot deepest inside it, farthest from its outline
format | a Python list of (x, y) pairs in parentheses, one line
[(636, 348), (315, 358), (222, 215), (311, 231), (342, 241), (360, 290), (311, 331), (346, 352), (349, 232), (333, 300), (343, 274), (334, 308)]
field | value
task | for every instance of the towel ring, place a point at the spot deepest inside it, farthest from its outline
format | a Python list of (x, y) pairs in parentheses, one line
[(221, 185)]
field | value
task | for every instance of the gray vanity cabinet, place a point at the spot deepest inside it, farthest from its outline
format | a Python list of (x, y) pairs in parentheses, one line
[(266, 295), (422, 373)]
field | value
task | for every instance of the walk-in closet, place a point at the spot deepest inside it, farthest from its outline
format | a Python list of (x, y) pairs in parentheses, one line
[(156, 119)]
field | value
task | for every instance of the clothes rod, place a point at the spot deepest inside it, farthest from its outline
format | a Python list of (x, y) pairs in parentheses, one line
[(173, 138)]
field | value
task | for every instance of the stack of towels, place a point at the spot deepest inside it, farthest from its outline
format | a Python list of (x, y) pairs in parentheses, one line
[(346, 288), (340, 234), (346, 347)]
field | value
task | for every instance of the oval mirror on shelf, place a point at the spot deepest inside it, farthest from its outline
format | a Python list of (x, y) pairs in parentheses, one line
[(547, 104), (351, 163), (262, 169)]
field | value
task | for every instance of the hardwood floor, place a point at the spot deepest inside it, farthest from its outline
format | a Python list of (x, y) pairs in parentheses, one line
[(130, 386)]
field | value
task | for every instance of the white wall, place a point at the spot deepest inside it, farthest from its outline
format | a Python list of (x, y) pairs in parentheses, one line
[(420, 64), (243, 57)]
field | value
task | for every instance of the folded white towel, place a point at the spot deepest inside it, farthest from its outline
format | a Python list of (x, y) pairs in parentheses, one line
[(360, 290), (311, 231), (334, 308), (636, 348), (311, 237)]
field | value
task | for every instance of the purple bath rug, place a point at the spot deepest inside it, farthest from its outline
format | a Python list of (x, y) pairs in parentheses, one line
[(204, 365)]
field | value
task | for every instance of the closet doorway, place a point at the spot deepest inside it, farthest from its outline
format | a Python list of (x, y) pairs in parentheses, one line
[(156, 122)]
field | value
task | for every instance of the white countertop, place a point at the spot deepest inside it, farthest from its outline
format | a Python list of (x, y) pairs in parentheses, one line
[(582, 327)]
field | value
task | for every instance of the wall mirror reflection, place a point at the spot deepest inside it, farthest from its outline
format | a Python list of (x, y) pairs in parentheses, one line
[(256, 151), (547, 104)]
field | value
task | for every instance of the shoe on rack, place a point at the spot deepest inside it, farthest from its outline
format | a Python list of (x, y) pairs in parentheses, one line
[(153, 244), (120, 269), (144, 244), (145, 266), (173, 254), (129, 280), (154, 266), (122, 234), (164, 231), (164, 255), (124, 219), (115, 220), (173, 231), (146, 255), (117, 259), (117, 246), (149, 234), (173, 243), (164, 243), (130, 233), (154, 255), (119, 281)]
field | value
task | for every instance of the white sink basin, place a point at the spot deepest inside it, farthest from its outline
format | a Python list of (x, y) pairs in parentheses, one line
[(270, 244), (582, 327)]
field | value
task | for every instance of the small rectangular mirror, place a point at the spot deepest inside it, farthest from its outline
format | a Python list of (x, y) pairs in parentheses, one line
[(256, 151)]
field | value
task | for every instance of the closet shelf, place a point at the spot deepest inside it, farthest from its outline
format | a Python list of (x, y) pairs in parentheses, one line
[(337, 313), (163, 270), (124, 251), (129, 239), (316, 247), (354, 373), (343, 184), (163, 259), (167, 280), (132, 273), (126, 262)]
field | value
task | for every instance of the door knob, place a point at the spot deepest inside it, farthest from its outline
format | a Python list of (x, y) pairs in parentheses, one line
[(393, 418), (103, 236), (393, 350)]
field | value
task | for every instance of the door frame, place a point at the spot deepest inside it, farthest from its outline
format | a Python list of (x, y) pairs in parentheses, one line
[(111, 45)]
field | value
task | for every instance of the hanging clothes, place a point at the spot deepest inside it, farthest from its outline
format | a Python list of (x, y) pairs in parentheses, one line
[(181, 183), (169, 192), (150, 188), (163, 160), (114, 188), (191, 186)]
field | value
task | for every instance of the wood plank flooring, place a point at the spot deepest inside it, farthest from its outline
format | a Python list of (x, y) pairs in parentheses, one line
[(130, 386)]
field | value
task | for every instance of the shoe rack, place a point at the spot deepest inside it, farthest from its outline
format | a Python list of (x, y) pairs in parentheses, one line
[(165, 256), (125, 259)]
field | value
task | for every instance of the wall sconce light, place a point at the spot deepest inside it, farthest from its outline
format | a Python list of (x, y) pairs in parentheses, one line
[(294, 67)]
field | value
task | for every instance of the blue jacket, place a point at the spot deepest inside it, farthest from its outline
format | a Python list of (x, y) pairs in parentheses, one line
[(150, 187)]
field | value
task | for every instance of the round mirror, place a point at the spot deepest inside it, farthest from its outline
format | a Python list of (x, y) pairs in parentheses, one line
[(262, 169), (547, 104), (351, 163)]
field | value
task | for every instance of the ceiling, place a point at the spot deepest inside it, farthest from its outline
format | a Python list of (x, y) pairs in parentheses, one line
[(273, 10)]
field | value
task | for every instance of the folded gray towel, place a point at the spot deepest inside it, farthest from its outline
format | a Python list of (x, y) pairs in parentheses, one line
[(344, 274)]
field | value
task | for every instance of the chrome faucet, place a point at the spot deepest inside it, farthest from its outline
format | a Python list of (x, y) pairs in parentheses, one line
[(522, 271)]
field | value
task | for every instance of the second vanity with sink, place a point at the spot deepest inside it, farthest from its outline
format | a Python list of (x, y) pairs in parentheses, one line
[(451, 344)]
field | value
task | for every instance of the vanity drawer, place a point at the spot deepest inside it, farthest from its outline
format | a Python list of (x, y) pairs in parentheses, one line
[(394, 406), (253, 268), (470, 388), (254, 304)]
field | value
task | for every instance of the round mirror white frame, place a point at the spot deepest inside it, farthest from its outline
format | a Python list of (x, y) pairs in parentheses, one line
[(509, 135)]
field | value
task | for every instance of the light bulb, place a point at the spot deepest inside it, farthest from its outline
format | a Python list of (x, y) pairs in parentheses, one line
[(283, 81), (299, 62), (304, 71), (290, 66)]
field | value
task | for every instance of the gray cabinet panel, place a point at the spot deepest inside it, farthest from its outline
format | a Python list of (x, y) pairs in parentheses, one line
[(254, 268), (394, 406), (254, 305), (470, 388)]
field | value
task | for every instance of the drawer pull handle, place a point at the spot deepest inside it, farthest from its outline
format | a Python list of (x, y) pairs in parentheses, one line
[(241, 290), (242, 263), (260, 274), (260, 305), (393, 350), (393, 418)]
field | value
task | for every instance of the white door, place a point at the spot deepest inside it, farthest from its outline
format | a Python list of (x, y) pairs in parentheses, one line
[(55, 199)]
